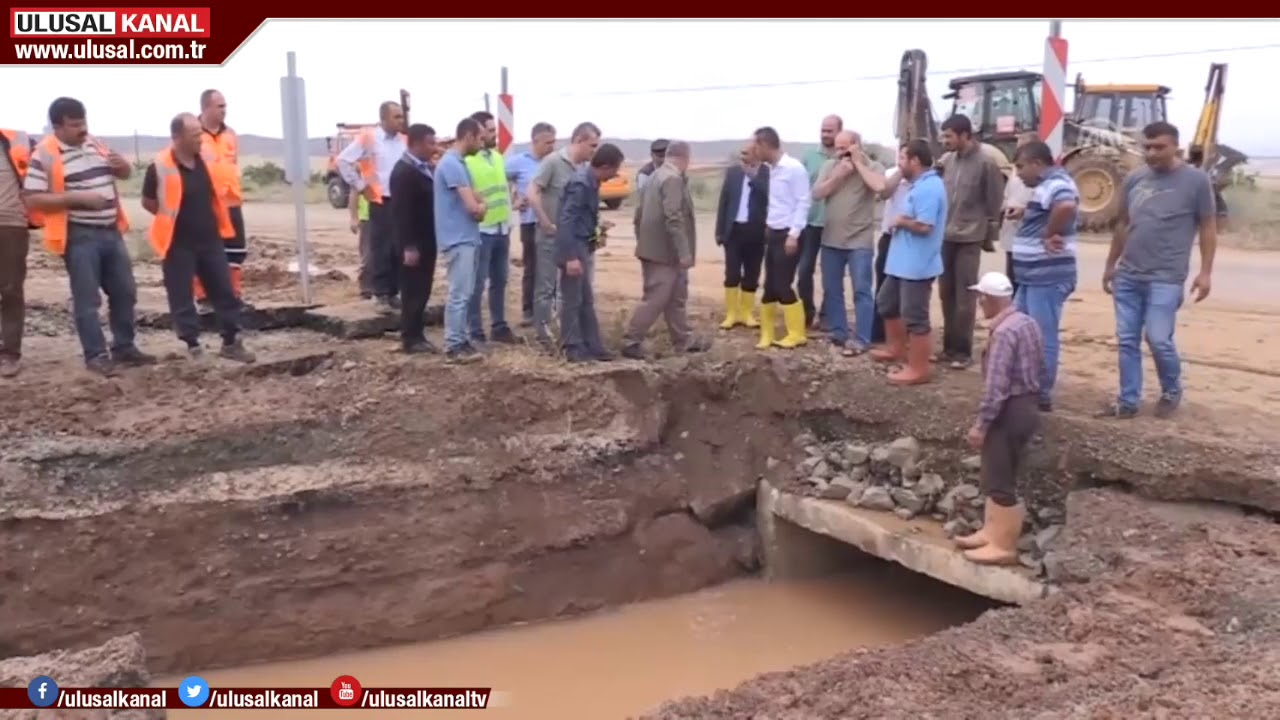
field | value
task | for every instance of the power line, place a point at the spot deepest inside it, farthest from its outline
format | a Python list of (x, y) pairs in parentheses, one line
[(894, 76)]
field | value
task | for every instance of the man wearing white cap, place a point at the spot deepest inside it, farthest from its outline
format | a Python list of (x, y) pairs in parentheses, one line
[(1007, 418)]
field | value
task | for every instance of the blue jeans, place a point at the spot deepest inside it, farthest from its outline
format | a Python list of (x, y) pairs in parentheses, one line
[(460, 272), (1044, 304), (1151, 308), (492, 260), (96, 257), (861, 266)]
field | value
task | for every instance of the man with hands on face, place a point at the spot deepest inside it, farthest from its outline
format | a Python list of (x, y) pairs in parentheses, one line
[(785, 220), (413, 227)]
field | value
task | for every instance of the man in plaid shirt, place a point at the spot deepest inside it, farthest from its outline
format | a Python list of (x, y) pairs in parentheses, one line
[(1007, 418)]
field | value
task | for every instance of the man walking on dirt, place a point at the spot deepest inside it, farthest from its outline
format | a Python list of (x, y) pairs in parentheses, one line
[(576, 230), (493, 259), (221, 148), (366, 166), (458, 211), (811, 238), (413, 226), (72, 184), (14, 245), (1163, 207), (975, 194), (666, 244), (188, 233), (520, 172), (1007, 419), (545, 192)]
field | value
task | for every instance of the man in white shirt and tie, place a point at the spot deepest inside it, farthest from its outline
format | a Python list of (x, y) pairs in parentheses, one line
[(788, 212)]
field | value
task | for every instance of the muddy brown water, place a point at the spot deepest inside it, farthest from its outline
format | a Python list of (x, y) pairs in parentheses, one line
[(628, 660)]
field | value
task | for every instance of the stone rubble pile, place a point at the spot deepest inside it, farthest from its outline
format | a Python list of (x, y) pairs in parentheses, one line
[(897, 477)]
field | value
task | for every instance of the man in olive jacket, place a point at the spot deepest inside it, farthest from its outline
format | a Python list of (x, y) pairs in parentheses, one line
[(666, 243)]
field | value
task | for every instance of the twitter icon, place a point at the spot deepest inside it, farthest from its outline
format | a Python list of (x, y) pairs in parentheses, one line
[(194, 691)]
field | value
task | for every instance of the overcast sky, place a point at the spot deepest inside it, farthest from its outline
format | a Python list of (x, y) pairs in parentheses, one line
[(814, 68)]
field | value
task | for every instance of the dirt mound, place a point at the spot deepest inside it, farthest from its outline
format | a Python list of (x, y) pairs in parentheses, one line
[(119, 662)]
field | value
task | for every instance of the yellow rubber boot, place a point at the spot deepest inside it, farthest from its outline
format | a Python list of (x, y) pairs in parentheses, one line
[(768, 312), (747, 308), (793, 317), (731, 305)]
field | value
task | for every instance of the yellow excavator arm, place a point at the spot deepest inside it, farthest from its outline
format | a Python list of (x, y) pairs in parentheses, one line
[(1204, 143)]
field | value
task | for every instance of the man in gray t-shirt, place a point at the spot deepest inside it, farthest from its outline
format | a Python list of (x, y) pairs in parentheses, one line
[(1163, 207)]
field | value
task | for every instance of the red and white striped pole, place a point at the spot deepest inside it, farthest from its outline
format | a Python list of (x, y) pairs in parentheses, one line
[(1054, 89), (506, 117)]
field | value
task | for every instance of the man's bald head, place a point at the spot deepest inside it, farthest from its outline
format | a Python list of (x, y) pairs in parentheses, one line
[(831, 125), (213, 109), (391, 116), (185, 131)]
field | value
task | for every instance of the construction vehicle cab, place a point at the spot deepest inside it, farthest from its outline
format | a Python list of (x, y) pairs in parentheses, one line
[(1001, 106), (1126, 108)]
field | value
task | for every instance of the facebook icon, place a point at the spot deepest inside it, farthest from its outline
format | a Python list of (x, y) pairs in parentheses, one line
[(42, 691)]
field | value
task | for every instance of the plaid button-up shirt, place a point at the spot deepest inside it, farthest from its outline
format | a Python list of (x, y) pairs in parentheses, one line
[(1011, 362)]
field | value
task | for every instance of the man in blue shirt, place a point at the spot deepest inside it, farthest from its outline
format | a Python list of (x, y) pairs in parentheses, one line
[(576, 226), (520, 172), (915, 260), (458, 211)]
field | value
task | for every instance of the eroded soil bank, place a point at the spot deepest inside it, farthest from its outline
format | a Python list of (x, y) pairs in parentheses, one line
[(353, 500)]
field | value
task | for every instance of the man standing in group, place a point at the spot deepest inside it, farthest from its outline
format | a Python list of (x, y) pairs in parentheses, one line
[(188, 233), (520, 172), (413, 227), (358, 207), (1163, 207), (489, 179), (576, 228), (811, 238), (1007, 419), (744, 201), (666, 244), (1044, 251), (894, 196), (1016, 195), (14, 245), (784, 222), (545, 193), (848, 186), (458, 212), (657, 156), (915, 259), (221, 149), (366, 166), (975, 194), (72, 184)]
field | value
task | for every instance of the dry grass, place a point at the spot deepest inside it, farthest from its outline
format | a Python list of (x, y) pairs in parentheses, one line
[(1254, 219)]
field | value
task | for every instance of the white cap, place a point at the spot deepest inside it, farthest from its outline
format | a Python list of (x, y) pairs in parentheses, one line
[(994, 284)]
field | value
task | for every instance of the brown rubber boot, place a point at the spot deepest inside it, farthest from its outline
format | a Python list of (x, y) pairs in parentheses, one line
[(895, 342), (917, 370), (1003, 526)]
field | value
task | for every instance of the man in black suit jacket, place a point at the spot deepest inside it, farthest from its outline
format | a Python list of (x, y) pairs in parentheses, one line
[(744, 203), (413, 228)]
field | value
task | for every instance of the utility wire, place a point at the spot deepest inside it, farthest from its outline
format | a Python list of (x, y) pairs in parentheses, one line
[(894, 76)]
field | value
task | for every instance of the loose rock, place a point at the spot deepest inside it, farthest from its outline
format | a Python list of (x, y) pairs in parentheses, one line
[(930, 485), (903, 452), (876, 498), (904, 513), (956, 497), (1046, 537), (971, 463), (855, 454), (834, 492), (908, 500)]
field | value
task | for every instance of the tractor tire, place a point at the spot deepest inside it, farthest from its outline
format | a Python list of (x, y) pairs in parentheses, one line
[(613, 203), (1100, 181), (339, 193)]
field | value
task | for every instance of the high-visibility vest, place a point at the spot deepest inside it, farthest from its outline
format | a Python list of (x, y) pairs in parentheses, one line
[(221, 152), (367, 164), (489, 180), (49, 153), (20, 158), (169, 200), (362, 208)]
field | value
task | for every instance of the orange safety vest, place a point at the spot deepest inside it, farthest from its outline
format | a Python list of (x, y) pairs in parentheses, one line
[(366, 164), (169, 200), (20, 156), (49, 153), (221, 152)]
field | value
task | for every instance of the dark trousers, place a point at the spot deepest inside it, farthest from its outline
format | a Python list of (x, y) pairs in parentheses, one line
[(1004, 448), (237, 248), (15, 242), (806, 265), (415, 289), (882, 256), (97, 259), (743, 254), (779, 268), (204, 258), (1008, 271), (579, 327), (529, 255), (906, 299), (384, 258), (960, 265)]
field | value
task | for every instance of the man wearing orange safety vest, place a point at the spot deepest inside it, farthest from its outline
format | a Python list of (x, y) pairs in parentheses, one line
[(14, 243), (366, 166), (192, 222), (71, 185), (221, 150)]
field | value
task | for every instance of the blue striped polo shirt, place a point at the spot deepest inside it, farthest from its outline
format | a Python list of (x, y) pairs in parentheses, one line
[(1032, 263)]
